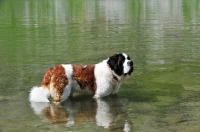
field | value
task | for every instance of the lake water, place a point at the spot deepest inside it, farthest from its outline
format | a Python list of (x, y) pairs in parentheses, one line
[(161, 36)]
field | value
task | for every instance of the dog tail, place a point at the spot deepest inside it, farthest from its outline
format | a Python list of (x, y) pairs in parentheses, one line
[(39, 94)]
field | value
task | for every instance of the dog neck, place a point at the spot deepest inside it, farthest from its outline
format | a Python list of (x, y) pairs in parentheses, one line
[(115, 77)]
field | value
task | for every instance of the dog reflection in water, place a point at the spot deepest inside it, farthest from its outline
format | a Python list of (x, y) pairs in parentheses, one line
[(107, 112)]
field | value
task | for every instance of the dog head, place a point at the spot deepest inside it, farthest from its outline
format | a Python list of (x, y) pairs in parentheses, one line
[(121, 64)]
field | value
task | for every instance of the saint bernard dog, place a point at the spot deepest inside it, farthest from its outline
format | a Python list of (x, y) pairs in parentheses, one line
[(100, 79)]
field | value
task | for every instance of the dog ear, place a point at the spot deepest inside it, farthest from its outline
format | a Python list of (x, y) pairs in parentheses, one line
[(113, 64), (112, 61)]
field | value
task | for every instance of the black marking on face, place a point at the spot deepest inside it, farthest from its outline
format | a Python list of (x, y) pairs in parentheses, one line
[(116, 63)]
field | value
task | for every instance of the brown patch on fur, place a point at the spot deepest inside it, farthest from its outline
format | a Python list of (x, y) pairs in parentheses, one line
[(57, 78), (85, 76)]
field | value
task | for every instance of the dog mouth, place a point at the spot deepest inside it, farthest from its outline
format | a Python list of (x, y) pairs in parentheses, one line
[(129, 68), (125, 74), (129, 72)]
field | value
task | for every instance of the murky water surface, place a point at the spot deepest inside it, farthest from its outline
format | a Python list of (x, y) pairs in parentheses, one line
[(161, 36)]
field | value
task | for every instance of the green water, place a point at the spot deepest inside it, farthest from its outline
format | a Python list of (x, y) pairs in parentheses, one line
[(161, 36)]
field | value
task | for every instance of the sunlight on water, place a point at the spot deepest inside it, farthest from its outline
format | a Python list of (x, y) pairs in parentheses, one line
[(161, 36)]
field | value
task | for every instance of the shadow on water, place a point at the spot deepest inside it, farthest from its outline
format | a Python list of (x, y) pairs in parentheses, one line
[(107, 112)]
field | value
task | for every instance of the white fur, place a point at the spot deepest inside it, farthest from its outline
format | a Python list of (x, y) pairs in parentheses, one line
[(125, 55), (67, 90), (39, 94), (126, 66), (104, 79)]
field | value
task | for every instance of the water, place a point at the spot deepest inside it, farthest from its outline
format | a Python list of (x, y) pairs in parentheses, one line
[(161, 36)]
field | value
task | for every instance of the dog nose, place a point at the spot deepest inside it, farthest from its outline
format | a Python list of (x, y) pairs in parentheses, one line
[(130, 63)]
